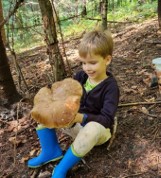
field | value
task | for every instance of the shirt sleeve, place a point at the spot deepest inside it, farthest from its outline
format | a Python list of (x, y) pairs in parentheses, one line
[(110, 104), (77, 76)]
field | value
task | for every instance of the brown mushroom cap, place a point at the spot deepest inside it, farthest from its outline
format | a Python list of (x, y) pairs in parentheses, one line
[(57, 107)]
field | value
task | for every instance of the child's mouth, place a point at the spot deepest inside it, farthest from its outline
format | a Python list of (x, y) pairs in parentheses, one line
[(90, 74)]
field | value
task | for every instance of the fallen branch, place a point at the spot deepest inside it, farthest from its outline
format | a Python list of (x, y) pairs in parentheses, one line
[(89, 18), (36, 173), (113, 133), (148, 114), (132, 175), (153, 42), (139, 103), (15, 141)]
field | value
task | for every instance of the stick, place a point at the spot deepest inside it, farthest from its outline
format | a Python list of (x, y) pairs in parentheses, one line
[(113, 133), (89, 18), (15, 144), (139, 103), (134, 174), (84, 162)]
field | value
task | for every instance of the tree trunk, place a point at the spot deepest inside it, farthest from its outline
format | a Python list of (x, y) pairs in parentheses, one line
[(1, 19), (8, 92), (76, 7), (84, 9), (104, 6), (55, 58), (159, 13)]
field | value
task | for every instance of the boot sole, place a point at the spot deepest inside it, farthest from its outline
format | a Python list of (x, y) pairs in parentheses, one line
[(52, 160)]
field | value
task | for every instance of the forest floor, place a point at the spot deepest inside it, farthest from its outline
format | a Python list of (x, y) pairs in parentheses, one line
[(136, 150)]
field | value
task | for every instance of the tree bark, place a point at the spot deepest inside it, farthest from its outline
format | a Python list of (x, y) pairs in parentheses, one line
[(55, 58), (1, 19), (159, 13), (84, 9), (104, 7), (8, 92)]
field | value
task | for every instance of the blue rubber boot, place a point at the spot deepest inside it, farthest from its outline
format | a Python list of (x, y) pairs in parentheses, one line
[(68, 161), (50, 149)]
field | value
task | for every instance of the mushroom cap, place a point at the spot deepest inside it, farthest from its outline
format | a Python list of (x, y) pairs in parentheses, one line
[(57, 106)]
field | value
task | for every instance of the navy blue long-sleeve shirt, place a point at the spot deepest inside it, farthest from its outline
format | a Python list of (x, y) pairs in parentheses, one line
[(100, 104)]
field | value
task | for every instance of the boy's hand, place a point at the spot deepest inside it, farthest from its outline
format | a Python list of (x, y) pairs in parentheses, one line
[(78, 118)]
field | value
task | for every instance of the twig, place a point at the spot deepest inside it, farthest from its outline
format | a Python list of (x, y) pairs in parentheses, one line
[(133, 175), (18, 69), (72, 17), (153, 42), (15, 141), (89, 18), (35, 173), (5, 122), (139, 103), (84, 162), (17, 5), (151, 107), (155, 134), (158, 163), (151, 115), (113, 133)]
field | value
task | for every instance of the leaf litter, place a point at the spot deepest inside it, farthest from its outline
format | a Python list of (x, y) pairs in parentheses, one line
[(136, 150)]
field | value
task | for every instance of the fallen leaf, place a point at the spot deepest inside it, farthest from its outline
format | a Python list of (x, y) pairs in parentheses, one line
[(24, 159), (14, 141), (1, 131), (144, 110), (32, 152), (150, 100), (134, 87)]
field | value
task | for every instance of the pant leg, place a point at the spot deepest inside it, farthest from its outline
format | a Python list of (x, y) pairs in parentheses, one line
[(90, 135), (73, 131)]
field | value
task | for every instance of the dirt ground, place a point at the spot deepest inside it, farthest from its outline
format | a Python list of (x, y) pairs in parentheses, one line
[(136, 150)]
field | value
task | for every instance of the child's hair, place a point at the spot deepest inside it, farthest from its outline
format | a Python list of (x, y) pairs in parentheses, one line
[(96, 42)]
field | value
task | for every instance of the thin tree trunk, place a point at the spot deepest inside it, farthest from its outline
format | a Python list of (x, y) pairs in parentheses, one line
[(1, 19), (159, 13), (8, 92), (104, 6), (84, 9), (55, 58)]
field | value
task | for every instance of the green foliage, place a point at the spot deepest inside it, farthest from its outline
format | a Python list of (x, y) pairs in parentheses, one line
[(133, 12), (25, 29), (75, 27), (127, 11)]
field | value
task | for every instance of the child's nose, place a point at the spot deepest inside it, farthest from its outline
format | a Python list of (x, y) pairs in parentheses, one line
[(87, 67)]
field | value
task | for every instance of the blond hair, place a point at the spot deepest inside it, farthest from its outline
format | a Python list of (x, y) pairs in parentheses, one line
[(96, 42)]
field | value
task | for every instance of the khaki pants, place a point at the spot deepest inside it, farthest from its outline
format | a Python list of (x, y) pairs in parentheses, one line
[(92, 134)]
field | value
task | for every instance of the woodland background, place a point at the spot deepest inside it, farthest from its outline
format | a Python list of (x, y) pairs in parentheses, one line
[(38, 46)]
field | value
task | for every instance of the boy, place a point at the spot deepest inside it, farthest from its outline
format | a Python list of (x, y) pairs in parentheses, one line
[(97, 110)]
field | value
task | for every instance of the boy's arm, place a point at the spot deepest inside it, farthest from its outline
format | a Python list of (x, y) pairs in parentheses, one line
[(107, 113)]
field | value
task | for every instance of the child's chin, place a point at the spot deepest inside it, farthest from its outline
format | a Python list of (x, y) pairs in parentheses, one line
[(92, 76)]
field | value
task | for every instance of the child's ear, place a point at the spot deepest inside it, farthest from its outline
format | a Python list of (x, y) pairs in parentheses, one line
[(108, 59)]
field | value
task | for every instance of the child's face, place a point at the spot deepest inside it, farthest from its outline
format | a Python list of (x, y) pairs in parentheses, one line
[(95, 66)]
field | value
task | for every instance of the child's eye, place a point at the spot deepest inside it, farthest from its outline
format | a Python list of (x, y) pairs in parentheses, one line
[(81, 63), (93, 62)]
